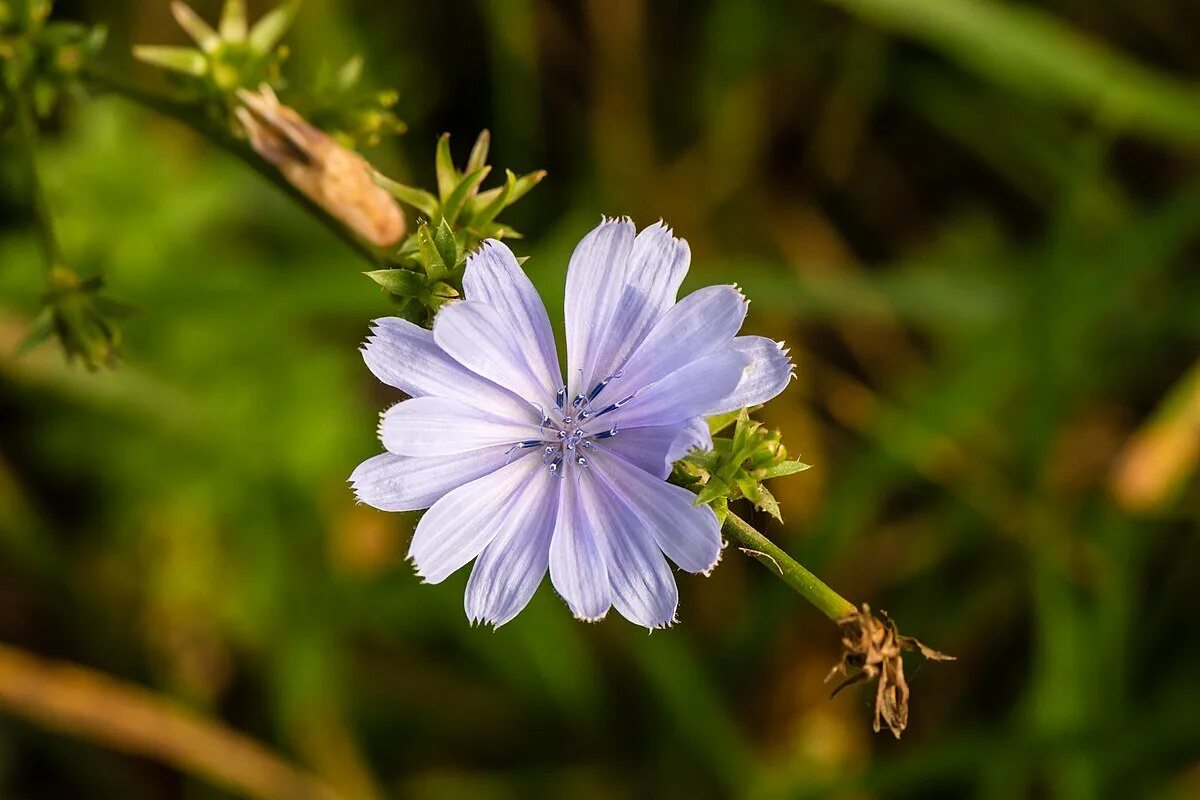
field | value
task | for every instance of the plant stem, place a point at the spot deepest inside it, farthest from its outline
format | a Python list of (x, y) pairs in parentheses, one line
[(810, 587), (27, 131), (186, 114)]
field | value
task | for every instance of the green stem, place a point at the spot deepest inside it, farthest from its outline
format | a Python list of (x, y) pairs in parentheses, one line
[(810, 587), (186, 114), (27, 130)]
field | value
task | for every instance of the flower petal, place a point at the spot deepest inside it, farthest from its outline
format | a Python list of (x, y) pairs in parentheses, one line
[(403, 483), (688, 534), (655, 448), (476, 336), (685, 393), (508, 571), (767, 375), (493, 276), (701, 323), (595, 288), (405, 356), (440, 426), (458, 526), (577, 567), (643, 588), (645, 290)]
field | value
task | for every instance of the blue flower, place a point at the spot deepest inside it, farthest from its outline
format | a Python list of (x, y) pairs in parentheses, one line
[(522, 472)]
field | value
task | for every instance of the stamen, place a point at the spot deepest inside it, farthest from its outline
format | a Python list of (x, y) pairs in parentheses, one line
[(560, 399), (608, 434), (524, 445), (599, 387), (616, 405), (582, 462)]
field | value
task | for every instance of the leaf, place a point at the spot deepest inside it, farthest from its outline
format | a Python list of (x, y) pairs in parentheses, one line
[(443, 240), (267, 32), (447, 175), (186, 60), (524, 184), (749, 489), (485, 215), (452, 205), (768, 503), (195, 26), (712, 490), (419, 199), (722, 421), (402, 282), (233, 21), (41, 330), (479, 153), (431, 259), (783, 468)]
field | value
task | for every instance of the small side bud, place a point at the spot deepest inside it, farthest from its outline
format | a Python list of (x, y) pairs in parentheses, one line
[(334, 177)]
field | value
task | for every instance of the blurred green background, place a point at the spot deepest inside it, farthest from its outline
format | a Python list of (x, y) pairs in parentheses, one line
[(976, 224)]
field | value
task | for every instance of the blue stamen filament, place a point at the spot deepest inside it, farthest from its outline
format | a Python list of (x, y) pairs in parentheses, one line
[(564, 441)]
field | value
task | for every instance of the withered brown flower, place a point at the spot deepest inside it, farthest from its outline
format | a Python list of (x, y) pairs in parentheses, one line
[(334, 177), (873, 647)]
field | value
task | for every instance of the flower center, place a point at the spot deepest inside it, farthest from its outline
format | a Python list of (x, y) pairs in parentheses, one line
[(566, 437)]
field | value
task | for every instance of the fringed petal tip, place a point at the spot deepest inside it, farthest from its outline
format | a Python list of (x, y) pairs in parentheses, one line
[(707, 573), (672, 622), (591, 620), (624, 219)]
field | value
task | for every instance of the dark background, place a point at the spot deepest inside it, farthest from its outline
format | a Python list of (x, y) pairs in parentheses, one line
[(975, 223)]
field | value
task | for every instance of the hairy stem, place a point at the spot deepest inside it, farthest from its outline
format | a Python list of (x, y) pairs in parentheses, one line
[(188, 115), (28, 136), (809, 586)]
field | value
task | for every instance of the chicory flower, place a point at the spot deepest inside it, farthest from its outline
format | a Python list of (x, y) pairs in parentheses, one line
[(523, 472)]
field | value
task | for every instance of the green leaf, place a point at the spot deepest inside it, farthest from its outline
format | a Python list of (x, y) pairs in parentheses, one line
[(419, 199), (452, 205), (768, 503), (783, 468), (443, 240), (443, 290), (447, 175), (267, 32), (233, 21), (186, 60), (712, 490), (431, 259), (749, 488), (195, 27), (41, 330), (479, 152), (722, 421), (402, 282), (485, 214), (524, 184)]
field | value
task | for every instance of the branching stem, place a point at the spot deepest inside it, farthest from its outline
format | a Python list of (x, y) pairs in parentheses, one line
[(189, 115), (28, 136)]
